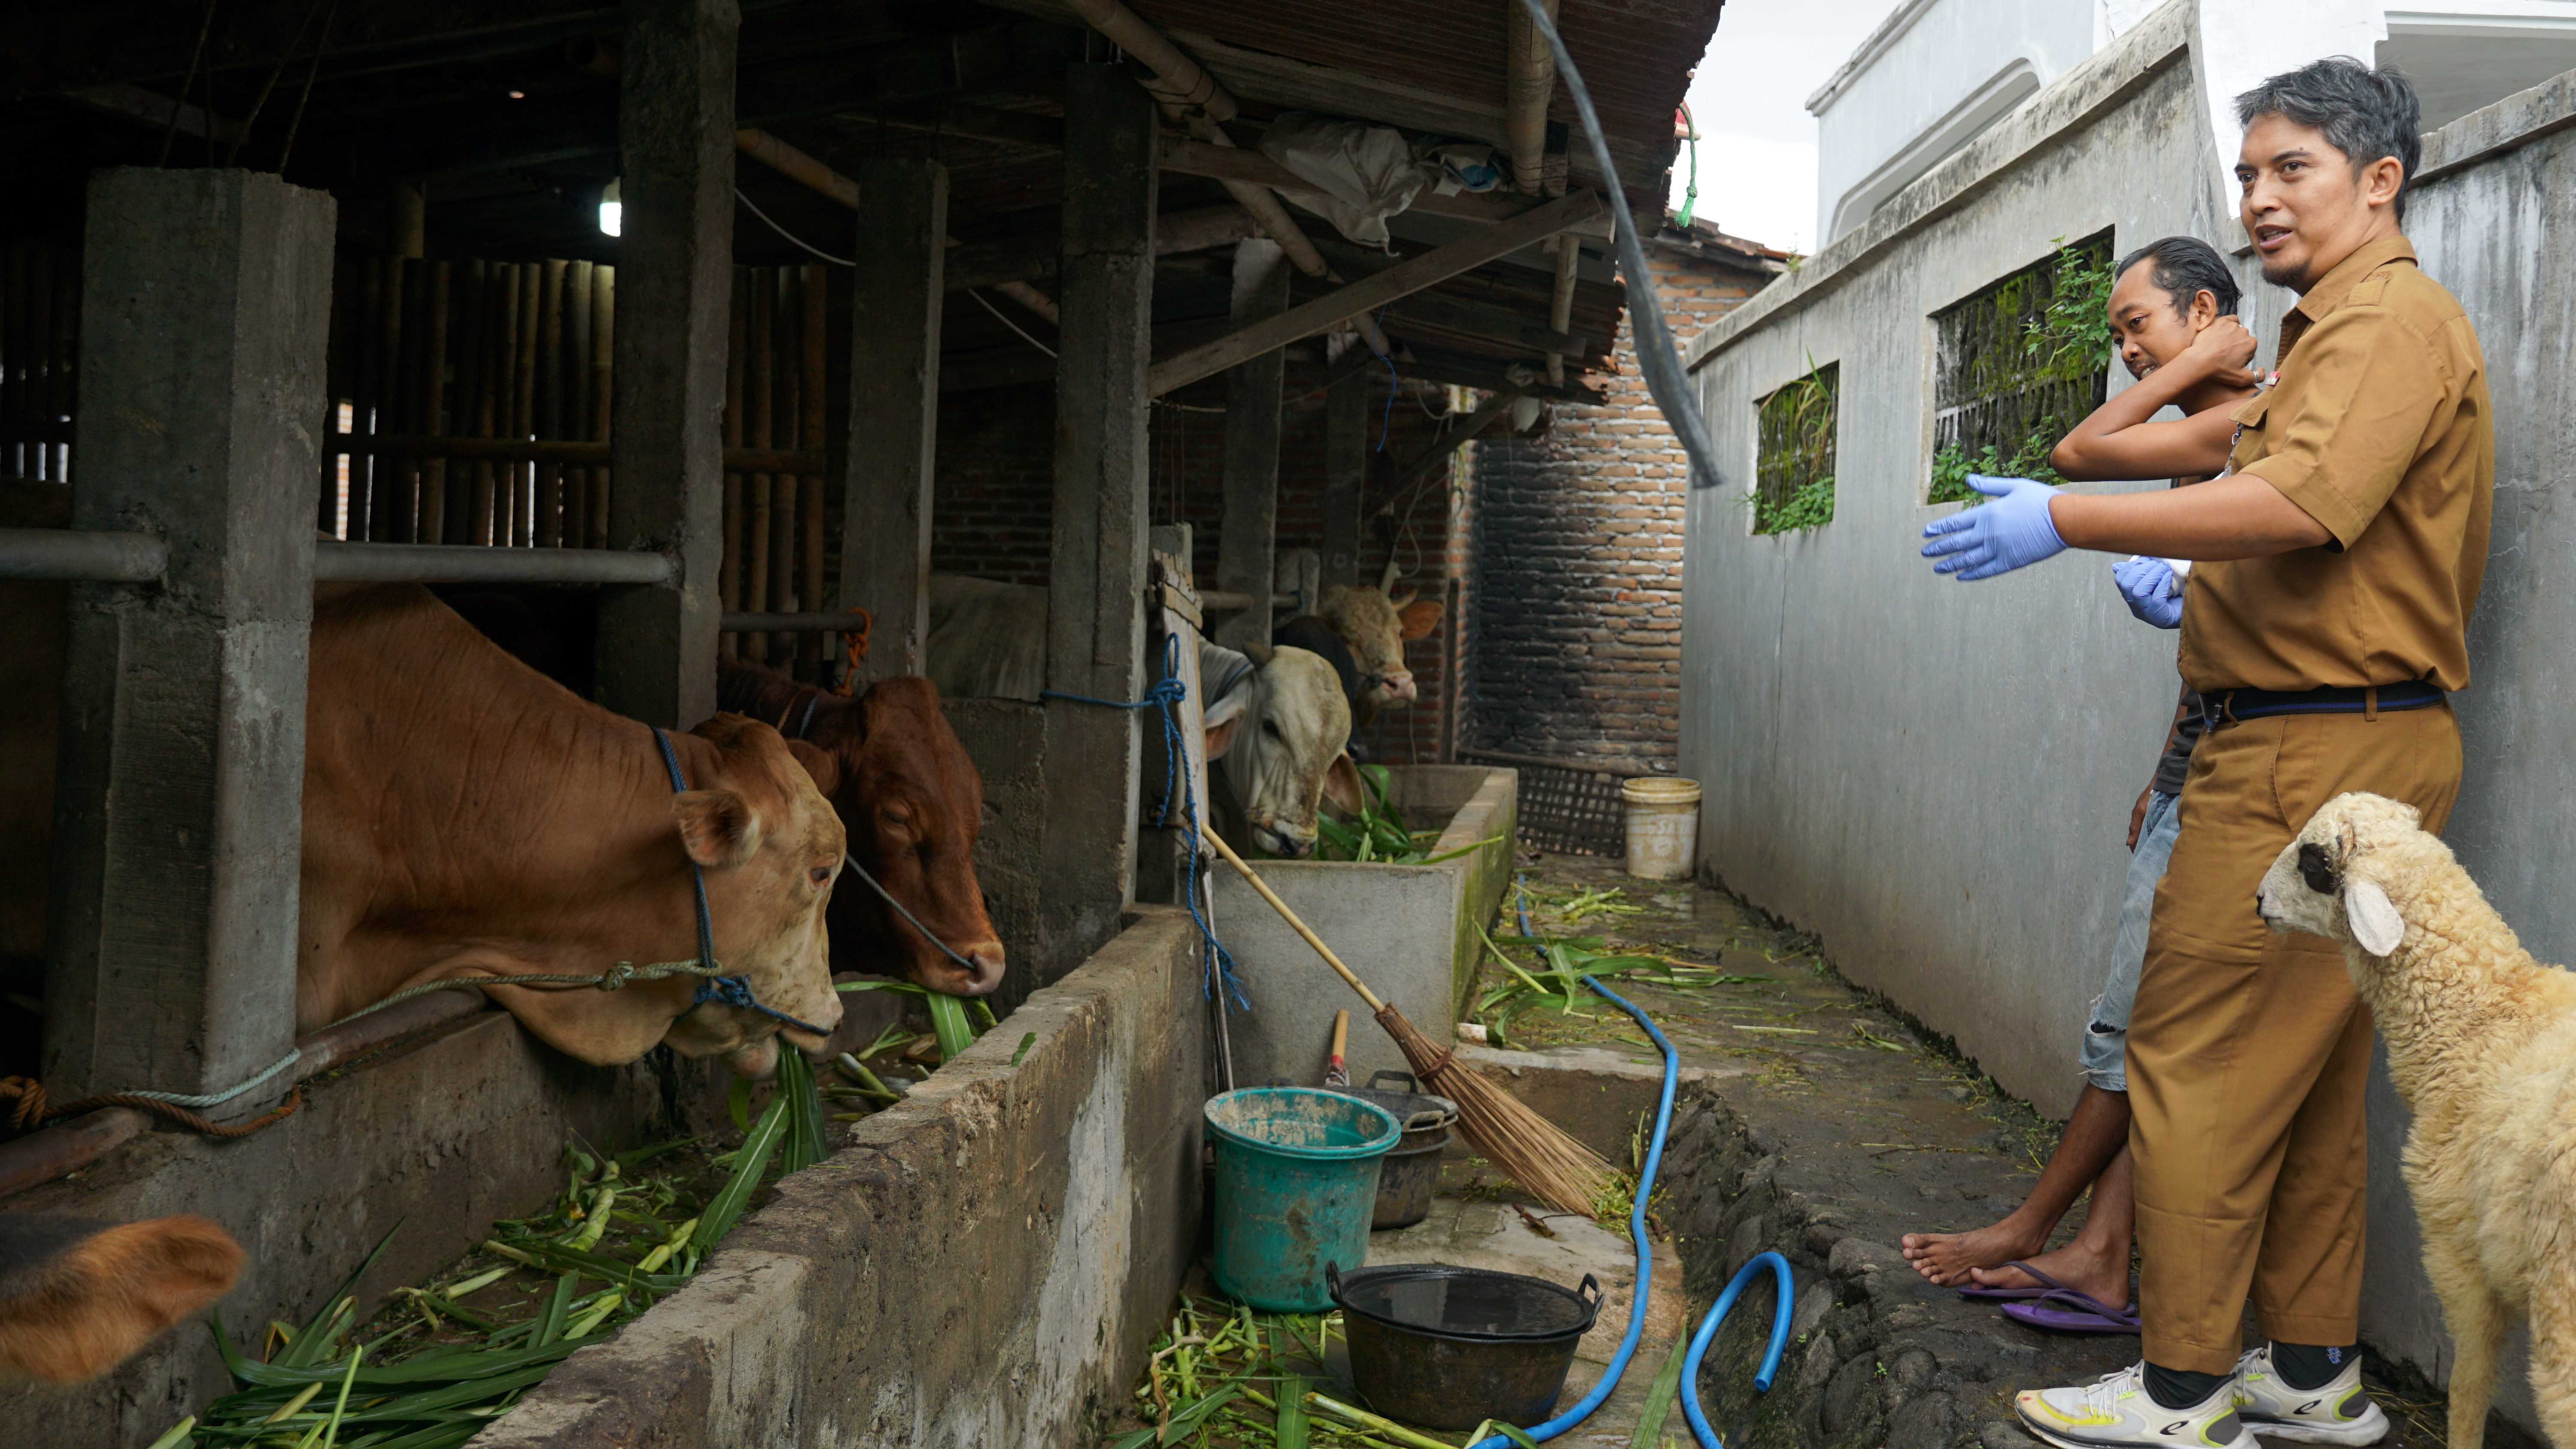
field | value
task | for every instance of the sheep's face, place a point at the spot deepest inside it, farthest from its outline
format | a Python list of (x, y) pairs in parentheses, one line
[(2328, 881)]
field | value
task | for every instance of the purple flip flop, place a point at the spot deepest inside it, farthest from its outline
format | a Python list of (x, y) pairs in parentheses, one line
[(2064, 1310), (2004, 1295)]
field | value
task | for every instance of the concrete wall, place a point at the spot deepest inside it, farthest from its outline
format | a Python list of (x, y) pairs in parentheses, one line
[(1937, 778), (1932, 77), (441, 1136), (1407, 930), (984, 1263)]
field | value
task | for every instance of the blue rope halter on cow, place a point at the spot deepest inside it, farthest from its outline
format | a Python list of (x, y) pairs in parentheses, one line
[(731, 990), (1167, 694)]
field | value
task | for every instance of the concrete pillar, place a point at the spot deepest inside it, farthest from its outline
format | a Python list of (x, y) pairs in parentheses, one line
[(1096, 583), (1347, 421), (894, 405), (657, 646), (206, 299), (1247, 538)]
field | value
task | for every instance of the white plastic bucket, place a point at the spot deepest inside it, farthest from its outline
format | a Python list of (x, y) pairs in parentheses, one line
[(1663, 826)]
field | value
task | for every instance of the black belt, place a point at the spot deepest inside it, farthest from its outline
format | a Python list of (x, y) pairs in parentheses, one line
[(2233, 706)]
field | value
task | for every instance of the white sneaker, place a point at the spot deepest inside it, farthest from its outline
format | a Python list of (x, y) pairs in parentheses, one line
[(2115, 1412), (2341, 1412)]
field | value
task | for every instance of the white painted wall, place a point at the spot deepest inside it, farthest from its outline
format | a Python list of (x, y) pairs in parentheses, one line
[(1936, 74)]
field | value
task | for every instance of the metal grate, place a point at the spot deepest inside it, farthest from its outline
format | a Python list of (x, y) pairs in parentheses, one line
[(1568, 806), (1989, 390)]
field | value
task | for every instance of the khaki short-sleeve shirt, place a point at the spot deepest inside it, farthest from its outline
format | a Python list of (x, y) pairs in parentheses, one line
[(2381, 430)]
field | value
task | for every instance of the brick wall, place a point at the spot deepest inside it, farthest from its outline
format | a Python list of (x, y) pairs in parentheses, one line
[(993, 509), (1576, 547)]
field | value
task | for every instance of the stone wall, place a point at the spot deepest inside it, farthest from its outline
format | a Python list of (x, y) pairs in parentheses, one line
[(1577, 562), (984, 1263)]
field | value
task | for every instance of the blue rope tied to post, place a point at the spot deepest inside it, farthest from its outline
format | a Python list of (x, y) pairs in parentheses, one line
[(1167, 694), (730, 990)]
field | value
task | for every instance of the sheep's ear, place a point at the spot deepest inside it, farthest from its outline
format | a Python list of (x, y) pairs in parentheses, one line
[(2376, 926)]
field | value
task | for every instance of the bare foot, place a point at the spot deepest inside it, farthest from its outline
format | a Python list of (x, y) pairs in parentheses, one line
[(2085, 1269), (1946, 1259)]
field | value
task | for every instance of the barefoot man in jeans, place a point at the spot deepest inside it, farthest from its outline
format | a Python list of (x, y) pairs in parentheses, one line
[(2324, 625)]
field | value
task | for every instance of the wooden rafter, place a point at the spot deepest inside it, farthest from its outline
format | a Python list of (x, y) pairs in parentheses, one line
[(1401, 280)]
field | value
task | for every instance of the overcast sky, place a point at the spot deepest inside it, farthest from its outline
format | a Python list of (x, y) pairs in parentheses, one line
[(1757, 149)]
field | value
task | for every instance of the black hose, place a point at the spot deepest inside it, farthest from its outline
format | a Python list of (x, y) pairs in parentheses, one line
[(1656, 355)]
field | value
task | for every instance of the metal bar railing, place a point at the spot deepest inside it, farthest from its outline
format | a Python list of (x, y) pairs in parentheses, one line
[(74, 554), (468, 563)]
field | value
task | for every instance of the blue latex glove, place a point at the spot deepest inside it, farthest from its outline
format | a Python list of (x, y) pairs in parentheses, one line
[(2150, 589), (2012, 532)]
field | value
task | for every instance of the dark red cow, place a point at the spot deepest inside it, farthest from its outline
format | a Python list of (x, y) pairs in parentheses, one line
[(912, 805)]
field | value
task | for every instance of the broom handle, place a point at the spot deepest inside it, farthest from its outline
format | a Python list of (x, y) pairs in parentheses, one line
[(1290, 917)]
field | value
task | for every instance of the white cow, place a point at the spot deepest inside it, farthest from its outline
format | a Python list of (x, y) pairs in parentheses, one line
[(1277, 723)]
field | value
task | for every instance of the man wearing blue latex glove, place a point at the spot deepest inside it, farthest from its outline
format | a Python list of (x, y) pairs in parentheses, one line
[(2012, 532), (2151, 590)]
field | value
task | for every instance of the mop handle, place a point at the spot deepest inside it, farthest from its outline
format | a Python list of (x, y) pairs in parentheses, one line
[(1290, 917)]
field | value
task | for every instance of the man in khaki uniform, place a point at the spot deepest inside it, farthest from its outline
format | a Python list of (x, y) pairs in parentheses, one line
[(2324, 626)]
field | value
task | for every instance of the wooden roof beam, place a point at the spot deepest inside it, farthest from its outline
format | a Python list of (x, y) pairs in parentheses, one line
[(1529, 78), (1401, 280)]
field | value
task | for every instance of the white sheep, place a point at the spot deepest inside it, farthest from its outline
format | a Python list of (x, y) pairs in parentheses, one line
[(2482, 1045)]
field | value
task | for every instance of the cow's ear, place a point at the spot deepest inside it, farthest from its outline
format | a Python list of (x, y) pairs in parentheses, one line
[(717, 827), (820, 763), (1220, 737), (1419, 618), (1342, 785)]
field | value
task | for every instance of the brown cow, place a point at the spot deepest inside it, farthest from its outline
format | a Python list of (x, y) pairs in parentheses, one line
[(77, 1298), (1377, 627), (912, 804), (466, 816)]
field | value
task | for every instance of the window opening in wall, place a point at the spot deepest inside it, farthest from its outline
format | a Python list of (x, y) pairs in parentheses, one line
[(1793, 473), (2018, 364)]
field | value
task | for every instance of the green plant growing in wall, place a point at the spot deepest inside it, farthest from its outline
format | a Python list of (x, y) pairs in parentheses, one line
[(1793, 486), (2017, 359)]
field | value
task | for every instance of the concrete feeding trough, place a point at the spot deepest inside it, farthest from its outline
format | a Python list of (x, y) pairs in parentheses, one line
[(1408, 930)]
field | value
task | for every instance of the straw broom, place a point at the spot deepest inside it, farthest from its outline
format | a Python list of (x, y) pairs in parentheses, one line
[(1531, 1150)]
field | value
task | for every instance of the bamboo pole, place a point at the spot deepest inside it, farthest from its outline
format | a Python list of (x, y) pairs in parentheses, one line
[(36, 363), (548, 531), (366, 377), (467, 479), (810, 438), (729, 569), (339, 334), (757, 489), (433, 409), (402, 393), (17, 446), (523, 404), (785, 350), (66, 358), (603, 322), (577, 293)]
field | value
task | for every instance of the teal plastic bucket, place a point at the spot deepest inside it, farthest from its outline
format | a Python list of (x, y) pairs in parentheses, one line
[(1296, 1182)]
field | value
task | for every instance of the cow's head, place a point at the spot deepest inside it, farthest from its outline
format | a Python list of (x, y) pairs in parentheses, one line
[(913, 805), (1282, 736), (1376, 626), (769, 846)]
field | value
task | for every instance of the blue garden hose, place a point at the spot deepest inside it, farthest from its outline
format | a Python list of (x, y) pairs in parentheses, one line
[(1609, 1381)]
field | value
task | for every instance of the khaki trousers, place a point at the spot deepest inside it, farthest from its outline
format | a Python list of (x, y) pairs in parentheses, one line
[(2249, 1051)]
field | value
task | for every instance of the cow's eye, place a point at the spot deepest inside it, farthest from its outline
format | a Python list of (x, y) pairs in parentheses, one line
[(821, 875), (1270, 727)]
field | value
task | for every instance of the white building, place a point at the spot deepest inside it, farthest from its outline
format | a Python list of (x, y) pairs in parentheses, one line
[(1937, 73)]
